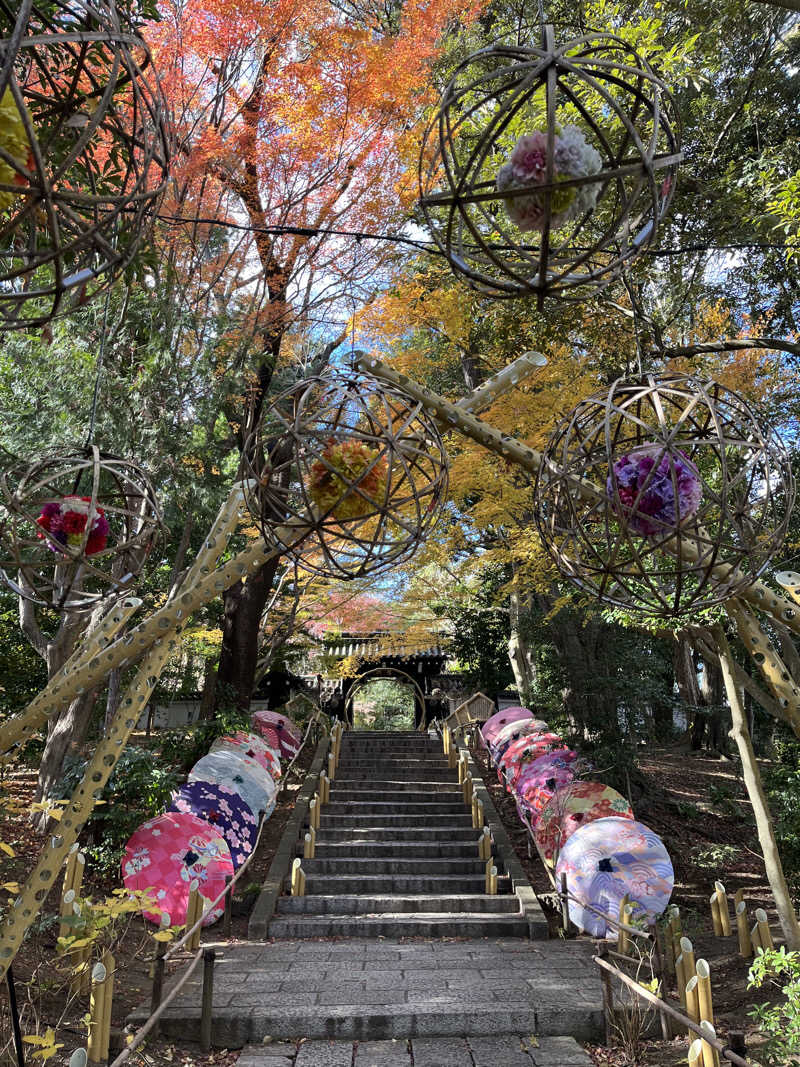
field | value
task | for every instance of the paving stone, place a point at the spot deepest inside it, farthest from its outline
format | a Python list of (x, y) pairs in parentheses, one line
[(441, 1052), (383, 1054), (560, 1052), (275, 1054), (504, 1050), (325, 1054)]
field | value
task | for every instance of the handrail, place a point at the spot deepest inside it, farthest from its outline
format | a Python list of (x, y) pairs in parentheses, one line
[(666, 1008)]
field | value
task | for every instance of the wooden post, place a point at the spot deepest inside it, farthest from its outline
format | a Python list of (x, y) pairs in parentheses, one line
[(736, 1043), (452, 759), (680, 979), (564, 896), (108, 1000), (710, 1054), (724, 913), (608, 994), (489, 867), (228, 913), (755, 939), (446, 739), (97, 1014), (485, 844), (692, 1002), (206, 1010), (194, 912), (310, 844), (158, 983), (687, 951), (742, 929), (313, 812), (764, 932), (462, 769), (696, 1053), (324, 788), (706, 1009), (493, 881), (467, 789), (716, 918), (331, 765), (298, 879)]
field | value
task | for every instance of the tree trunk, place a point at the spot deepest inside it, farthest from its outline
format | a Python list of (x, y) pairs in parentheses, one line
[(519, 653), (758, 798), (63, 732), (244, 607)]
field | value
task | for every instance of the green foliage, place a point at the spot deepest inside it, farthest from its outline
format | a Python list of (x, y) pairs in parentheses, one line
[(139, 788), (480, 634), (714, 857), (183, 746), (782, 782), (779, 1023), (384, 704)]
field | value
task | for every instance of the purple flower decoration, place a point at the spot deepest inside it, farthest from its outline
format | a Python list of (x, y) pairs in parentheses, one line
[(654, 500)]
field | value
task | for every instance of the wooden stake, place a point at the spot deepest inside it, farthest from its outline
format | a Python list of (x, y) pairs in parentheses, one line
[(742, 929), (692, 1002), (706, 1009), (687, 951), (298, 879), (485, 844), (716, 918), (310, 844), (97, 1014), (724, 913), (764, 932)]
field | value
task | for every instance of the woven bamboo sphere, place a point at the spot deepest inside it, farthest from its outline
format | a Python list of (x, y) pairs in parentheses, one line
[(84, 150), (360, 462), (75, 527), (664, 495), (546, 170)]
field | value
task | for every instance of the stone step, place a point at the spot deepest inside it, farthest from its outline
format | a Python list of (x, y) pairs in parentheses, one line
[(394, 807), (390, 786), (368, 773), (394, 849), (401, 832), (394, 884), (454, 821), (401, 865), (364, 904), (444, 794), (406, 925)]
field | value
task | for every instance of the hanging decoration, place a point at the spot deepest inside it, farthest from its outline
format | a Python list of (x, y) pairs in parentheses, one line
[(546, 170), (357, 466), (665, 494), (84, 153), (75, 527)]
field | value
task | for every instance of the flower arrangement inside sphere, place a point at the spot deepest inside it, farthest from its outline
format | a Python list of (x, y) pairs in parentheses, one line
[(573, 157), (66, 523), (654, 490), (14, 142), (349, 480)]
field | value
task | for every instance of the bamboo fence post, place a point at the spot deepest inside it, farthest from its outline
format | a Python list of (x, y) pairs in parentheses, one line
[(669, 949), (716, 918), (696, 1053), (493, 881), (97, 1014), (324, 789), (755, 939), (692, 1002), (687, 951), (681, 979), (452, 759), (228, 913), (67, 892), (485, 844), (331, 765), (298, 879), (467, 789), (108, 1001), (764, 932), (706, 1008), (710, 1054), (194, 910), (622, 935), (310, 844), (743, 930), (462, 769), (564, 895), (313, 812), (724, 912)]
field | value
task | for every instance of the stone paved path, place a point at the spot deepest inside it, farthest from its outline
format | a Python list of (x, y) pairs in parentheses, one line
[(364, 990), (505, 1050)]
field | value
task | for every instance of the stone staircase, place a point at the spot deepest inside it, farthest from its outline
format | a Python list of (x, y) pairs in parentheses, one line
[(396, 854)]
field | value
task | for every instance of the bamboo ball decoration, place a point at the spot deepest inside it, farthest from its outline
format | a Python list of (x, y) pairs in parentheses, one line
[(355, 468), (76, 527), (84, 152), (664, 495), (546, 170)]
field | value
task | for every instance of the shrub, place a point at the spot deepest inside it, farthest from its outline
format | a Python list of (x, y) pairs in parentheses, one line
[(779, 1023), (714, 857)]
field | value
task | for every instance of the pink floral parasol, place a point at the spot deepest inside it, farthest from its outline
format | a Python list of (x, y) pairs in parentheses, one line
[(541, 778), (518, 755), (513, 732), (278, 731), (572, 806), (166, 854), (254, 747), (496, 722), (607, 859)]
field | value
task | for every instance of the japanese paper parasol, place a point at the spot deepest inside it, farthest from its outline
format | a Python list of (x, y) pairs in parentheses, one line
[(244, 775), (524, 751), (223, 809), (513, 732), (572, 806), (496, 722), (253, 747), (278, 731), (607, 859), (166, 854), (541, 778)]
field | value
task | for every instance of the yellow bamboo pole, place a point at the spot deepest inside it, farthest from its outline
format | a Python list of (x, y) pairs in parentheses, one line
[(687, 951), (108, 1003), (331, 766), (67, 892), (298, 882), (692, 1002), (710, 1054), (310, 844), (696, 1053), (194, 910), (743, 930), (81, 803), (485, 844), (493, 881), (764, 932), (716, 918), (768, 659), (724, 912), (325, 796), (467, 789), (681, 978), (97, 1014), (622, 934), (452, 759), (755, 939), (706, 1008)]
